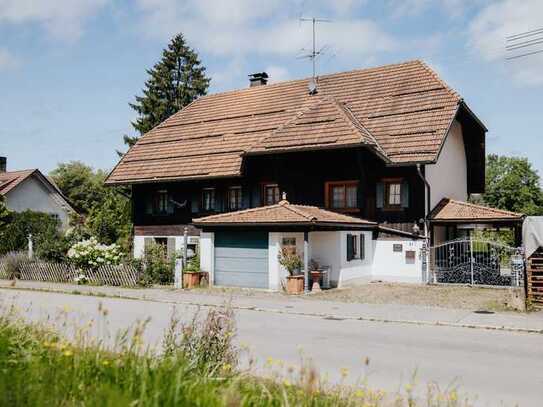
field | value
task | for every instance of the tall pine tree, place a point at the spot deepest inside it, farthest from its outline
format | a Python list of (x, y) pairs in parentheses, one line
[(174, 82)]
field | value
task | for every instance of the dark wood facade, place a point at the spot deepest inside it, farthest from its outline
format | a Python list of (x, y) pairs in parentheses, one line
[(303, 176)]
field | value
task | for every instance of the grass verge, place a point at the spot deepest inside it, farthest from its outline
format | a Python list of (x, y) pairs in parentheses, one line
[(197, 366)]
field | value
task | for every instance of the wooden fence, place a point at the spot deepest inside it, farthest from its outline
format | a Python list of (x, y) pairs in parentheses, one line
[(122, 275)]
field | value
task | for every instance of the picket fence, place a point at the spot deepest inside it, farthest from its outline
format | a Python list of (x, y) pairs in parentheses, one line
[(122, 275)]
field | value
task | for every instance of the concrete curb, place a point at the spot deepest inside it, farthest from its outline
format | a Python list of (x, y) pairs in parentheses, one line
[(337, 317)]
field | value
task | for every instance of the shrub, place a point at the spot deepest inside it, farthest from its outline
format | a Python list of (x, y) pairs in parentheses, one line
[(193, 265), (12, 264), (90, 255), (291, 261), (157, 267)]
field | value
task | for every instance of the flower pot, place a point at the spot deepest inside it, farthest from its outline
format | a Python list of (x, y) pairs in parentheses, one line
[(295, 284), (315, 278), (191, 279)]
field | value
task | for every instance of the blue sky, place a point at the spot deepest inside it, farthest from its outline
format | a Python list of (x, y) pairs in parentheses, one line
[(69, 68)]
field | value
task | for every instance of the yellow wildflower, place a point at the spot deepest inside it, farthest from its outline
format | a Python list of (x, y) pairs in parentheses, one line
[(68, 353), (344, 372), (286, 383), (359, 393), (105, 363)]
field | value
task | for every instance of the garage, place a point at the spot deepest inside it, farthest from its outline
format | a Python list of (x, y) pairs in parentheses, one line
[(241, 259)]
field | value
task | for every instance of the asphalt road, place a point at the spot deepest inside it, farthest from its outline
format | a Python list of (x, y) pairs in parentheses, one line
[(492, 367)]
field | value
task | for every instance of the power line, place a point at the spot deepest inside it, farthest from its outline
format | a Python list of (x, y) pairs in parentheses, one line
[(524, 55), (524, 45), (524, 34)]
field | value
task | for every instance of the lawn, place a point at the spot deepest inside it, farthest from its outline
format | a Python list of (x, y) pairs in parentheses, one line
[(196, 367)]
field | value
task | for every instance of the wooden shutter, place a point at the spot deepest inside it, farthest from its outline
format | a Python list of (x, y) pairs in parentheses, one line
[(350, 247), (405, 194), (362, 246), (380, 195)]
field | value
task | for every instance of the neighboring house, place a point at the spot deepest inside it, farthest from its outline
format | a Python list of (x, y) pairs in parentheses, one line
[(363, 144), (31, 190)]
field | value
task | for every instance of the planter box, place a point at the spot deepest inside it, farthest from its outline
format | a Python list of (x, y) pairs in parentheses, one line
[(295, 284), (191, 280)]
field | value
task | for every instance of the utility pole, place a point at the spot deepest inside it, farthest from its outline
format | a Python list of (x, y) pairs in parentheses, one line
[(314, 53)]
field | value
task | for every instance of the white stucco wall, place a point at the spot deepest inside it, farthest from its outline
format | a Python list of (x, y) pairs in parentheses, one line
[(389, 265), (31, 194), (207, 254), (448, 177), (357, 270), (277, 273)]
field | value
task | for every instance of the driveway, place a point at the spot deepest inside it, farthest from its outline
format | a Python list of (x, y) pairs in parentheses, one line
[(490, 366)]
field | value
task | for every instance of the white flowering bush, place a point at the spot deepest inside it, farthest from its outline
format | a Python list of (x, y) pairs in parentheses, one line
[(90, 254)]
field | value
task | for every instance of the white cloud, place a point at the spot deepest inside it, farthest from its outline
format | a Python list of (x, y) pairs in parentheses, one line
[(61, 18), (277, 73), (489, 29), (7, 60), (452, 8), (243, 27)]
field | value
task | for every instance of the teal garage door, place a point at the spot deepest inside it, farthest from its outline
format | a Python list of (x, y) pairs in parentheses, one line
[(241, 259)]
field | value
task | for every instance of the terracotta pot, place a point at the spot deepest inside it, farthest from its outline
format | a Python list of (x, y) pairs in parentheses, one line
[(295, 284), (191, 280), (315, 278)]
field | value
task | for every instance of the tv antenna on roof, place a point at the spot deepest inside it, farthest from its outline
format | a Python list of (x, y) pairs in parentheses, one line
[(314, 53)]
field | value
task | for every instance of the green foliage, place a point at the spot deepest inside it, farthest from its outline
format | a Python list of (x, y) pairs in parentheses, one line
[(105, 212), (196, 368), (5, 214), (512, 184), (174, 82), (43, 227), (83, 186), (291, 261), (193, 265), (157, 267)]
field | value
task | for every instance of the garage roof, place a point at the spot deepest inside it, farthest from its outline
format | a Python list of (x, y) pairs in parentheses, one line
[(283, 213)]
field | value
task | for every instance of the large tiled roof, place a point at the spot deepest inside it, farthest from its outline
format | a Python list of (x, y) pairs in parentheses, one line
[(9, 180), (452, 210), (401, 111), (281, 213)]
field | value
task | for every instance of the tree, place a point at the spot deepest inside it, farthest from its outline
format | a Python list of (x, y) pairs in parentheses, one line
[(83, 187), (175, 81), (512, 184), (105, 211), (5, 213)]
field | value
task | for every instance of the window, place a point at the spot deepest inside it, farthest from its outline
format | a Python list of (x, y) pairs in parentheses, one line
[(342, 195), (393, 193), (159, 204), (234, 198), (289, 244), (270, 194), (208, 199), (352, 249)]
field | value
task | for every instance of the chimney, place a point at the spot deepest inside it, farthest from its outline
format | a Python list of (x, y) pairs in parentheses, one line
[(258, 79), (3, 164)]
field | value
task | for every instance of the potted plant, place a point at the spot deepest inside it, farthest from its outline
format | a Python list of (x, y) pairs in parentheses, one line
[(191, 274), (292, 263)]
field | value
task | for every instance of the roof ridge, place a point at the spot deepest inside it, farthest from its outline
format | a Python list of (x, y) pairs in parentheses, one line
[(249, 210), (297, 211), (437, 78)]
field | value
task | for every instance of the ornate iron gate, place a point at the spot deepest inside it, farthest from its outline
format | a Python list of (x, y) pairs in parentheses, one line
[(473, 261)]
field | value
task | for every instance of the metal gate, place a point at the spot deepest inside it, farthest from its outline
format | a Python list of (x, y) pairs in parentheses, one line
[(474, 261)]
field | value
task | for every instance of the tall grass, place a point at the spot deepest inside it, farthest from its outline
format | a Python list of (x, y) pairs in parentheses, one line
[(196, 367)]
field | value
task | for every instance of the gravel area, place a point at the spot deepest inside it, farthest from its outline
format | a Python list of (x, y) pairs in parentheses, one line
[(458, 297), (445, 296)]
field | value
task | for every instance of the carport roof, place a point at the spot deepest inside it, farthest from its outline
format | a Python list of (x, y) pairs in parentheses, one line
[(452, 211), (283, 213)]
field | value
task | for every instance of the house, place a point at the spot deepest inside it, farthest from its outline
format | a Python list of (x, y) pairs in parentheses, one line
[(31, 190), (384, 145)]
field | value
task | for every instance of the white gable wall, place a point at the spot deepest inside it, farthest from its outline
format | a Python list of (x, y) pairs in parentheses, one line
[(448, 178), (31, 194)]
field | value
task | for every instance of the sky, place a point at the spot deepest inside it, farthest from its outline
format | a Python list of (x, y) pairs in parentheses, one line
[(70, 68)]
